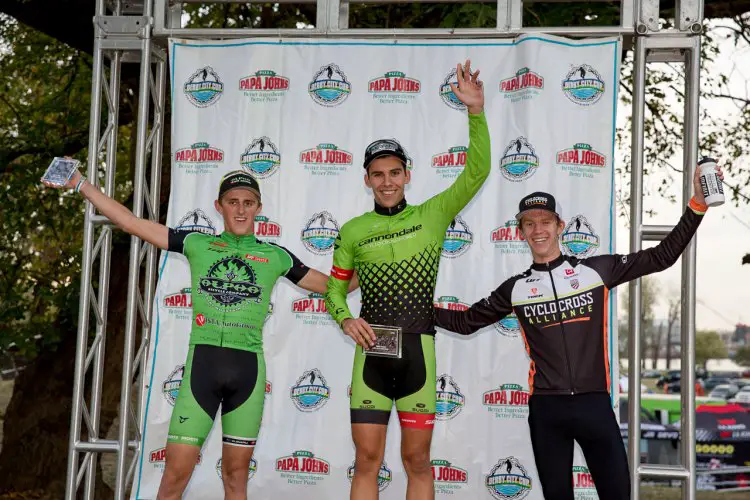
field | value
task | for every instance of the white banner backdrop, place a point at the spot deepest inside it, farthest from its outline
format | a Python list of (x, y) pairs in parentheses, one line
[(298, 115)]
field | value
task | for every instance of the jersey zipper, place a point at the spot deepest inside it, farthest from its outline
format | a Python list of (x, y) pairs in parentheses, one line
[(562, 329)]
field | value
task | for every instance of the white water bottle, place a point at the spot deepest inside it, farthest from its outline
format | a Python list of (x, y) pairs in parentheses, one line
[(713, 191)]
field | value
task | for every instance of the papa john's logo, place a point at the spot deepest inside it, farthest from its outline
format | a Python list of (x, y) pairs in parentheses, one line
[(581, 161), (525, 84), (158, 458), (509, 326), (179, 300), (325, 159), (311, 392), (385, 476), (507, 401), (458, 238), (264, 86), (314, 303), (579, 238), (451, 163), (519, 161), (230, 282), (251, 469), (320, 233), (261, 158), (329, 86), (448, 477), (394, 88), (508, 479), (171, 386), (451, 303), (196, 221), (303, 468), (583, 85), (198, 158), (583, 484), (446, 93), (204, 87), (450, 400), (508, 238), (267, 229)]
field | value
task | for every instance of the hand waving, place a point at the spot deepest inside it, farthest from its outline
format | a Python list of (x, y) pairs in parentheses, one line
[(470, 89)]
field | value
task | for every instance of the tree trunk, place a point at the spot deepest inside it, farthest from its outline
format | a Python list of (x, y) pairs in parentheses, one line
[(656, 347)]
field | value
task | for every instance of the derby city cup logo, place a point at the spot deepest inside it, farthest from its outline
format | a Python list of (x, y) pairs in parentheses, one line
[(302, 468), (451, 303), (447, 95), (251, 469), (230, 282), (196, 221), (198, 158), (450, 400), (261, 158), (267, 229), (311, 392), (583, 85), (451, 163), (158, 458), (179, 304), (264, 86), (507, 401), (325, 159), (583, 484), (581, 161), (319, 233), (524, 85), (329, 86), (385, 476), (447, 477), (508, 238), (171, 386), (579, 238), (508, 479), (519, 161), (509, 326), (394, 88), (458, 238), (204, 87)]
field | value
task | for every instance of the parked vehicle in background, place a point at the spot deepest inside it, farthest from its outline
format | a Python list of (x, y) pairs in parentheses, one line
[(743, 396), (724, 391), (668, 378), (711, 382), (741, 382), (651, 374)]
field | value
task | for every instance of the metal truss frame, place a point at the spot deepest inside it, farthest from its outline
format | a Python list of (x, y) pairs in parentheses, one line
[(135, 31)]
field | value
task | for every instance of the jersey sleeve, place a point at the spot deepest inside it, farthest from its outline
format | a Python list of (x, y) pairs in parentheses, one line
[(297, 269), (617, 269), (478, 164), (178, 241), (485, 312), (341, 273)]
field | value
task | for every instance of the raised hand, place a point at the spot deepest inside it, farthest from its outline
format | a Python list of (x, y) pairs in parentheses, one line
[(470, 89), (71, 184), (697, 189)]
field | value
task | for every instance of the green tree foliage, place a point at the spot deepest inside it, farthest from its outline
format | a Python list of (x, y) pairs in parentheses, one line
[(742, 356), (708, 345)]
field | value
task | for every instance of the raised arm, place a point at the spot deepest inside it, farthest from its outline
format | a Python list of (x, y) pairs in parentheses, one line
[(153, 232), (478, 161), (617, 269)]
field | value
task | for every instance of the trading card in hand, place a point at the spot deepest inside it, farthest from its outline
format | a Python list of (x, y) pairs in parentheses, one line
[(60, 171), (387, 342)]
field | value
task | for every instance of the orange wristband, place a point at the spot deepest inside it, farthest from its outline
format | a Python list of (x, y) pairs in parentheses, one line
[(698, 208)]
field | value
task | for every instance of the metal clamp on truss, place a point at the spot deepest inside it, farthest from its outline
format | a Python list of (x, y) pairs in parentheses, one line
[(688, 16)]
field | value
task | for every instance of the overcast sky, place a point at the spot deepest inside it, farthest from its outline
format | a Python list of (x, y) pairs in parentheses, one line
[(723, 284)]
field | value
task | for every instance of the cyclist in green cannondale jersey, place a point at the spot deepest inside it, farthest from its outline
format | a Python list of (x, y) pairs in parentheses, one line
[(235, 274), (395, 251)]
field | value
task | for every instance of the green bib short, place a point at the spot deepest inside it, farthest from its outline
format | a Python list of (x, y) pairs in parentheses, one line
[(231, 279), (396, 253)]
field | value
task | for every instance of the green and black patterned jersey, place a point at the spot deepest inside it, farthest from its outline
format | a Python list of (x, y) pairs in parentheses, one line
[(396, 251)]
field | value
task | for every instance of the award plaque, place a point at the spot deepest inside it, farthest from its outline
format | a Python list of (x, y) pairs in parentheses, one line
[(60, 171), (387, 342)]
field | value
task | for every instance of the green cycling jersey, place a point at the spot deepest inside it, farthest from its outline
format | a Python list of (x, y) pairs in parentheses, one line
[(396, 251), (232, 278)]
